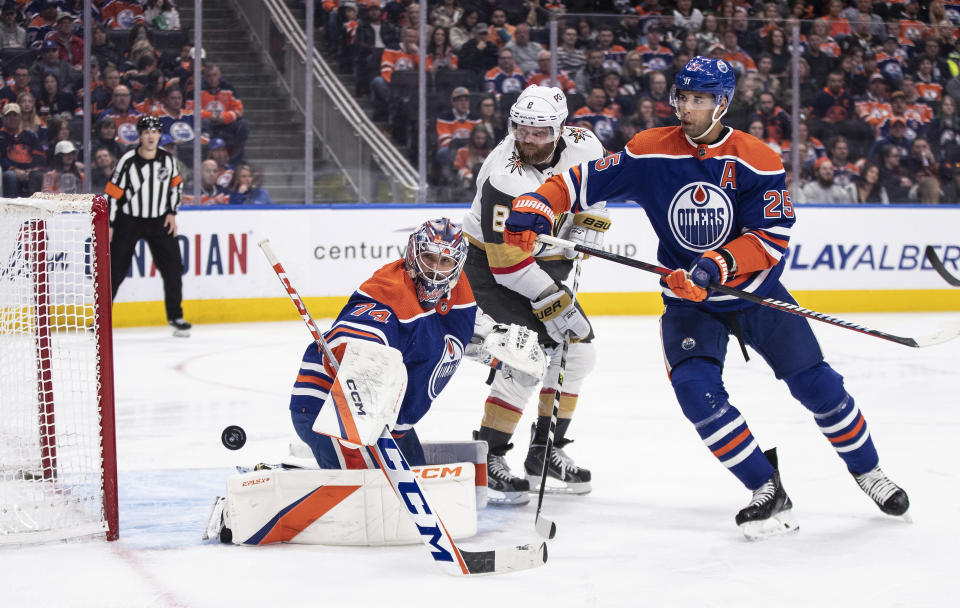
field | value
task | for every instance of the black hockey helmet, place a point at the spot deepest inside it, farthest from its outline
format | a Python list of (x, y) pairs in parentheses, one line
[(148, 122)]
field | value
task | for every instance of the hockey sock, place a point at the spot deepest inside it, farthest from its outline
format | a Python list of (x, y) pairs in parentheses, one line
[(500, 415), (543, 427), (846, 430), (496, 440), (568, 403), (722, 428), (820, 390)]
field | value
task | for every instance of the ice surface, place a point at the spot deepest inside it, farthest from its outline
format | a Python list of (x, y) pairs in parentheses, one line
[(657, 530)]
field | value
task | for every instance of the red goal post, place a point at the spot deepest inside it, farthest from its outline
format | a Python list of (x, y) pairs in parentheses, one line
[(58, 469)]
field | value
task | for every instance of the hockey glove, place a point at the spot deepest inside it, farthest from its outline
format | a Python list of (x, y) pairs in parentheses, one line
[(711, 267), (588, 229), (529, 217), (559, 314)]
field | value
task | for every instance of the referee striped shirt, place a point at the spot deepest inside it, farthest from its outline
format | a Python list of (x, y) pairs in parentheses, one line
[(145, 188)]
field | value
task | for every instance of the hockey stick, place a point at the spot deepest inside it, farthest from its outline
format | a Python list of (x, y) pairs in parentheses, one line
[(937, 264), (547, 528), (943, 335), (443, 550)]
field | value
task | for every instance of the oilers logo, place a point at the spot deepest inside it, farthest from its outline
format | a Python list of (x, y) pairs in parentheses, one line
[(700, 216), (127, 133), (446, 366), (181, 131)]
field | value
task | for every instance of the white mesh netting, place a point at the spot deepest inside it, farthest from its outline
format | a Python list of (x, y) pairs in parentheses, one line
[(51, 474)]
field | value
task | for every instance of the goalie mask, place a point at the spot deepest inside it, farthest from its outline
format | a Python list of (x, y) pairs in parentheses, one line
[(436, 253), (538, 115)]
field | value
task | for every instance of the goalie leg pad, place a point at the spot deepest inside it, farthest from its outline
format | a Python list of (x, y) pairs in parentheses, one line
[(346, 507), (330, 453)]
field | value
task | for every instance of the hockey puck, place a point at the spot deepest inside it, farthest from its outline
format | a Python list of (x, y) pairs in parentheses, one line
[(233, 437)]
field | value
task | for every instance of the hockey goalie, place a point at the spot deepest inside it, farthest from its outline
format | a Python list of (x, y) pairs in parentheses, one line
[(397, 342)]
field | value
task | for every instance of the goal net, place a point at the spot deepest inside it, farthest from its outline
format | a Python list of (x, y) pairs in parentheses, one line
[(57, 446)]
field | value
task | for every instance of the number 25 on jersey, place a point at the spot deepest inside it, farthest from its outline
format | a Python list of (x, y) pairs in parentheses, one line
[(777, 204)]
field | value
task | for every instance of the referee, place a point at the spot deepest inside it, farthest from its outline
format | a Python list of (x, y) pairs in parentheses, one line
[(144, 195)]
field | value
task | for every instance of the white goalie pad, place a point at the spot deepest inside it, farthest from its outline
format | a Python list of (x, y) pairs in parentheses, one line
[(434, 452), (366, 393), (343, 507), (517, 347)]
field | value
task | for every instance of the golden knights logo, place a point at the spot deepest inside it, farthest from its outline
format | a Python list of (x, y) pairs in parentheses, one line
[(515, 164), (578, 134)]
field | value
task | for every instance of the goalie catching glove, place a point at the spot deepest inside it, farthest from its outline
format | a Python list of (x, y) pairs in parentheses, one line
[(711, 267), (512, 348), (587, 228), (559, 314)]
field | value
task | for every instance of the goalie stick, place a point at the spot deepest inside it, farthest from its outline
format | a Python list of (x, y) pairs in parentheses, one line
[(443, 550), (937, 264), (942, 335)]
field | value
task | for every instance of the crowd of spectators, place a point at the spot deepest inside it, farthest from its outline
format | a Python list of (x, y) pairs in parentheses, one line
[(133, 74), (877, 98)]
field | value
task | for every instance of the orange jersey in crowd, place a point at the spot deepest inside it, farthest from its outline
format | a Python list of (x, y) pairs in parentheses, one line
[(838, 26), (221, 103), (740, 61), (395, 60), (930, 92), (448, 130), (537, 77), (874, 112), (121, 14)]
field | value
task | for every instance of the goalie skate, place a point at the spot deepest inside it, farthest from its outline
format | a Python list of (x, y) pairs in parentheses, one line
[(770, 512), (216, 527), (563, 475), (890, 497)]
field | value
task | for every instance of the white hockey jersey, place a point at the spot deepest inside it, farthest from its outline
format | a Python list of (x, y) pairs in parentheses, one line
[(502, 178)]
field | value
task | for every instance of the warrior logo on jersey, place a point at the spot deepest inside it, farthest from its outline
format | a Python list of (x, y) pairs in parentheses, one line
[(446, 366), (515, 164), (578, 134), (701, 216)]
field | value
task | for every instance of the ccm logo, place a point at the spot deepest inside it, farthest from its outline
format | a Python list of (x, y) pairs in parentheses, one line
[(254, 482), (355, 397), (438, 472)]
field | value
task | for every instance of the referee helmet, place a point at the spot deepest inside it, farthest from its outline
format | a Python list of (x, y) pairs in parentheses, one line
[(145, 123)]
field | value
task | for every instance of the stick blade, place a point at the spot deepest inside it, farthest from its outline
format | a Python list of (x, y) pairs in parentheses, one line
[(944, 334), (546, 528), (506, 559)]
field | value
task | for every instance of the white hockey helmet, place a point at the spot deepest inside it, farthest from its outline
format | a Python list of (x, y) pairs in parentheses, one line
[(540, 106)]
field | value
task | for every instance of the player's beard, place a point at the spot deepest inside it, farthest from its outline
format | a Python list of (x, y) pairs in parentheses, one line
[(534, 154)]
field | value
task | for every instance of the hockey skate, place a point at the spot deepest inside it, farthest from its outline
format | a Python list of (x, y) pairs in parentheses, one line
[(563, 475), (890, 497), (503, 488), (181, 329), (770, 510), (216, 522)]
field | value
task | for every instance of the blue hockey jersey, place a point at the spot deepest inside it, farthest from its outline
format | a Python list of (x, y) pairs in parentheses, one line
[(385, 309), (698, 198)]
